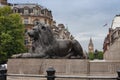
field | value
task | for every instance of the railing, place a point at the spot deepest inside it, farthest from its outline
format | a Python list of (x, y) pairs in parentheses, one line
[(51, 75)]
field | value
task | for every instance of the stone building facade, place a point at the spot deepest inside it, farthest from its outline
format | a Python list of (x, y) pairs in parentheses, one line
[(61, 32), (33, 13), (111, 46), (3, 2)]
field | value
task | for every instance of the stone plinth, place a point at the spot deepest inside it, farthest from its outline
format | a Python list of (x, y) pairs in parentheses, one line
[(64, 66), (104, 67), (39, 66)]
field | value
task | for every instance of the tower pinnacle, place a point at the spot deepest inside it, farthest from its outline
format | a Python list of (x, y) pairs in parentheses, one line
[(90, 46)]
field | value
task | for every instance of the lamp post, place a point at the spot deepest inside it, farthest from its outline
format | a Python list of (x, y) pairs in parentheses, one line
[(96, 53), (118, 72), (3, 73)]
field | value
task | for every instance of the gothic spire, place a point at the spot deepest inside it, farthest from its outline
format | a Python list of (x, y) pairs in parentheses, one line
[(90, 46)]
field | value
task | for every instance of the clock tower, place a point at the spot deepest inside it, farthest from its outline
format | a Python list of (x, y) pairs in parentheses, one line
[(90, 46)]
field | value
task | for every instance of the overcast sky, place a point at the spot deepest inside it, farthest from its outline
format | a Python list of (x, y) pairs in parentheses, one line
[(84, 18)]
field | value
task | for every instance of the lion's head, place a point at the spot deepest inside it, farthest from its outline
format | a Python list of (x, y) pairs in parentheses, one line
[(42, 34)]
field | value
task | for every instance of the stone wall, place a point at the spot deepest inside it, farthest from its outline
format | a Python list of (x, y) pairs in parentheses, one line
[(104, 68), (63, 66), (113, 53)]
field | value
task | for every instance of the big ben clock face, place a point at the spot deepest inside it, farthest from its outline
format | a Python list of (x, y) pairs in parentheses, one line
[(90, 47)]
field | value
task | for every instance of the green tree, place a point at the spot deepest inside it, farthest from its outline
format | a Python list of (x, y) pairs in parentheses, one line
[(11, 33), (91, 56), (100, 55)]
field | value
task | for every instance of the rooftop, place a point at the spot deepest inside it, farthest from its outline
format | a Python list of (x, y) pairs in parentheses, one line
[(116, 22), (29, 5)]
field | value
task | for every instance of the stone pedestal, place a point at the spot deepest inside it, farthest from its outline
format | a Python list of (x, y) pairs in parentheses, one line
[(39, 66), (64, 66)]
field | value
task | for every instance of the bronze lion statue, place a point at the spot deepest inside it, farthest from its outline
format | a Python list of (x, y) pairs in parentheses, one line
[(44, 45)]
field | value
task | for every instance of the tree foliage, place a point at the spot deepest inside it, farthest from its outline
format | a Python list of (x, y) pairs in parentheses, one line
[(11, 33), (93, 56), (100, 55)]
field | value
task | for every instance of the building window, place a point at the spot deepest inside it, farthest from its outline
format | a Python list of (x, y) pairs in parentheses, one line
[(15, 10), (45, 21), (26, 31), (36, 22), (26, 12), (26, 21), (26, 42), (42, 11), (36, 11)]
